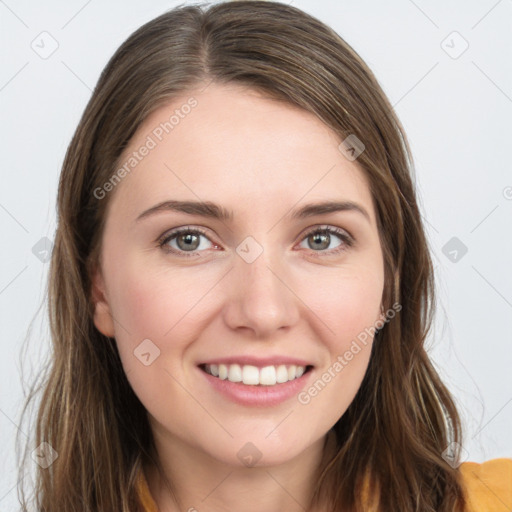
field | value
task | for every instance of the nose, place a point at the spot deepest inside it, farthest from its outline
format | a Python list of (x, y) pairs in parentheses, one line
[(261, 298)]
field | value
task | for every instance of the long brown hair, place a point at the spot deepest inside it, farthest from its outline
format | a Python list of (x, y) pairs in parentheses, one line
[(402, 419)]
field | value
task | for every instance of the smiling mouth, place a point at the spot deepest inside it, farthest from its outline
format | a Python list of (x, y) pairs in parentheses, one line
[(253, 376)]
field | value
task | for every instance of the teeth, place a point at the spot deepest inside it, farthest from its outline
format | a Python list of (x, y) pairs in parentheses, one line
[(235, 373), (282, 374), (223, 371), (268, 376), (253, 376)]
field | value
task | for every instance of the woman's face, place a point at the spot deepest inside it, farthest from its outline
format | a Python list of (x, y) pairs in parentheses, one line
[(254, 293)]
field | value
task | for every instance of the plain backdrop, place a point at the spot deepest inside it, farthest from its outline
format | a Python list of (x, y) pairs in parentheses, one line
[(445, 67)]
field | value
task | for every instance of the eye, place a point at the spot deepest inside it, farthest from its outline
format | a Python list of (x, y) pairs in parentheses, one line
[(186, 241), (182, 241), (319, 239)]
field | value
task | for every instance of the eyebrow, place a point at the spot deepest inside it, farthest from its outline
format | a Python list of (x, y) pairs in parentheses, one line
[(215, 211)]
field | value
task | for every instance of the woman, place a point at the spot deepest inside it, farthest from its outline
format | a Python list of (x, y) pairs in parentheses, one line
[(241, 286)]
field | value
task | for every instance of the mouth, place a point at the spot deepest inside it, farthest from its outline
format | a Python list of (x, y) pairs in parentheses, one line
[(250, 375)]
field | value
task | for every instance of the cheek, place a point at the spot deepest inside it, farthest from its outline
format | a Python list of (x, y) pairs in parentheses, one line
[(166, 306), (143, 304), (152, 305), (347, 304), (151, 301), (350, 309), (359, 306)]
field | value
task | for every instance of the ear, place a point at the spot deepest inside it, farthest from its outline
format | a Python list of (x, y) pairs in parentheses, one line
[(103, 319)]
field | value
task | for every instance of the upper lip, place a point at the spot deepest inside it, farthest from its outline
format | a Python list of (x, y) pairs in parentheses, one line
[(259, 362)]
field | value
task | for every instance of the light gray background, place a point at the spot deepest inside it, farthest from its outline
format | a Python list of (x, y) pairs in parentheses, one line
[(455, 107)]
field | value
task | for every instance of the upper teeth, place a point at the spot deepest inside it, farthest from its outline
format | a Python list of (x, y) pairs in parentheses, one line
[(252, 375)]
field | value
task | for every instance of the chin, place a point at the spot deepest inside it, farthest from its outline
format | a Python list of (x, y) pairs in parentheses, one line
[(258, 453)]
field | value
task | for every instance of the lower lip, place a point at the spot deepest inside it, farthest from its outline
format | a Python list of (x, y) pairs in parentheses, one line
[(263, 396)]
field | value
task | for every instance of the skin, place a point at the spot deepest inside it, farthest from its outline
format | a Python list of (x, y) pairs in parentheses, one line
[(261, 159)]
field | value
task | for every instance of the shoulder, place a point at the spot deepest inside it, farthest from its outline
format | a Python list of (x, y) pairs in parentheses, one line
[(488, 484)]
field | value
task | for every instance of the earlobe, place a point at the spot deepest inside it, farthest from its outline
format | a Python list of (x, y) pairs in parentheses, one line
[(102, 314)]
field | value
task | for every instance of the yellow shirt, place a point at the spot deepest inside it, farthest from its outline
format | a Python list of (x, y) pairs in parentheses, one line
[(489, 486)]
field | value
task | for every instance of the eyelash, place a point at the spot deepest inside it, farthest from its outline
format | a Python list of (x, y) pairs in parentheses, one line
[(347, 240)]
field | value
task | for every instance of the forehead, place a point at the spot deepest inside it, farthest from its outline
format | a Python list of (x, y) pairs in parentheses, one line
[(229, 143)]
